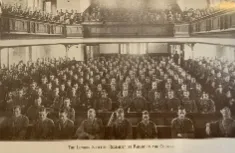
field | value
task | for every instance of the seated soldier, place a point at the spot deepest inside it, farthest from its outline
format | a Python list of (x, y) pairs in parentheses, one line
[(206, 105), (91, 128), (182, 127), (104, 104), (125, 100), (64, 127), (74, 98), (43, 128), (139, 103), (171, 102), (20, 100), (222, 128), (33, 111), (16, 126), (70, 111), (88, 101), (189, 104), (113, 95), (158, 104), (146, 129), (152, 91), (121, 128)]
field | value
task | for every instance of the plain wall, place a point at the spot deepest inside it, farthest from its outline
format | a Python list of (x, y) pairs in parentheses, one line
[(109, 48), (157, 48)]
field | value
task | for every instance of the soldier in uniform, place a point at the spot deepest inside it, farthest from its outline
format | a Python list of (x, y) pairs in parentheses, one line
[(43, 128), (139, 103), (121, 128), (70, 111), (206, 105), (222, 128), (182, 127), (125, 100), (146, 129), (91, 128), (16, 126), (64, 127), (171, 102), (104, 104), (152, 91), (33, 111), (189, 104), (157, 105)]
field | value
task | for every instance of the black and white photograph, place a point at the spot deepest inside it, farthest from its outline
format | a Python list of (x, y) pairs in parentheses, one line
[(117, 70)]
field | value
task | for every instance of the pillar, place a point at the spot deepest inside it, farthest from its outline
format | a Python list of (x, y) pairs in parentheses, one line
[(53, 6)]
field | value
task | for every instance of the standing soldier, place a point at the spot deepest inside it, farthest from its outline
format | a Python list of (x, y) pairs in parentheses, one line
[(16, 126), (43, 128), (146, 129), (182, 127), (125, 100), (64, 127), (121, 128), (222, 128), (91, 128), (33, 111)]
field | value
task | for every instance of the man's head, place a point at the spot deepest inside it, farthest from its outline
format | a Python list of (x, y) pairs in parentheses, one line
[(181, 112), (186, 94), (38, 101), (63, 115), (67, 102), (17, 111), (226, 113), (42, 113), (154, 85), (145, 116), (120, 114), (205, 95), (138, 93), (170, 94), (91, 114)]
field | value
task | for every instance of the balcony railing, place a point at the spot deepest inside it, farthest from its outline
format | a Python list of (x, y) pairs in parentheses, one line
[(127, 30), (19, 26)]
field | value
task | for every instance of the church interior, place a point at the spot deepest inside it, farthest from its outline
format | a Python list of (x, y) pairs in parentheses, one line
[(117, 69)]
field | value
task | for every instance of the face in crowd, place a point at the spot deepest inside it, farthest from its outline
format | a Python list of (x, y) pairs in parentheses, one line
[(38, 101), (226, 113), (63, 116), (42, 114), (145, 116), (16, 111), (120, 114), (67, 102), (91, 114), (181, 113)]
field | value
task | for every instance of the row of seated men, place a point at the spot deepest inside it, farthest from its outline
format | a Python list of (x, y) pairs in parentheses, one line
[(217, 76), (44, 128), (159, 86), (63, 17)]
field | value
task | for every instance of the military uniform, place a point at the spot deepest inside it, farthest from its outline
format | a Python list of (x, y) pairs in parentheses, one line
[(219, 129), (125, 102), (148, 131), (206, 106), (71, 113), (91, 130), (184, 127), (158, 105), (189, 105), (103, 104), (139, 104), (172, 104), (122, 130), (33, 112), (64, 130), (43, 130), (16, 128)]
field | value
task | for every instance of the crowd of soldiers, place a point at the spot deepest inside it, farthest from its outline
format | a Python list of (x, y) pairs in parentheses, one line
[(218, 78), (62, 17), (194, 14), (98, 12), (48, 93)]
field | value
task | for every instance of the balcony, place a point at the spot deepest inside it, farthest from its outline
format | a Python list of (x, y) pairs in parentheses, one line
[(14, 28)]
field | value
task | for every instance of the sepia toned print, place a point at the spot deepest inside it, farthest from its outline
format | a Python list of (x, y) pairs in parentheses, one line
[(117, 70)]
